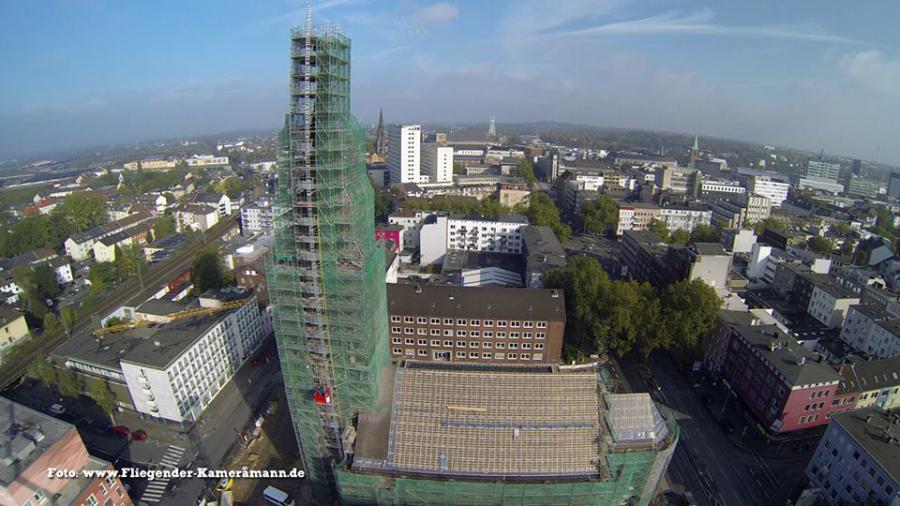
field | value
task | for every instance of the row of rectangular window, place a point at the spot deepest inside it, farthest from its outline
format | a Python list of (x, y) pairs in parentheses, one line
[(421, 320), (487, 334), (475, 354), (465, 344)]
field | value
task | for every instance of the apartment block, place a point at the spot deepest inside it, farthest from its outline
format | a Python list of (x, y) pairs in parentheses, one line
[(436, 163), (856, 460), (771, 187), (830, 301), (872, 330), (80, 245), (783, 384), (404, 144), (441, 232), (488, 325)]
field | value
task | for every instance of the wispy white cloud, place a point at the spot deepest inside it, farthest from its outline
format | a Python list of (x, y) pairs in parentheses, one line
[(872, 69), (699, 23), (436, 14)]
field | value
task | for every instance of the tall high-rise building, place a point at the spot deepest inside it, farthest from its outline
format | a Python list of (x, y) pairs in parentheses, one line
[(823, 169), (856, 167), (404, 142), (380, 138), (894, 186), (326, 277), (492, 128), (437, 163)]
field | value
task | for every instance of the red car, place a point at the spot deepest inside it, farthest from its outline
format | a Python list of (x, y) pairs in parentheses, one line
[(139, 435), (120, 430)]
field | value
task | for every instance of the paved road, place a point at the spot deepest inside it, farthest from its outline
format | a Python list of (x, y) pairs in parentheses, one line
[(706, 463), (126, 293)]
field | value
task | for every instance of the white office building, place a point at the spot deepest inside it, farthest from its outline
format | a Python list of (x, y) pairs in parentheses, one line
[(437, 163), (441, 232), (774, 190), (684, 218), (404, 143), (722, 186), (173, 370)]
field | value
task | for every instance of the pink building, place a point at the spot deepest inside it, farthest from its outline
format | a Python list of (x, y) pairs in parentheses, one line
[(783, 384), (31, 443), (390, 233)]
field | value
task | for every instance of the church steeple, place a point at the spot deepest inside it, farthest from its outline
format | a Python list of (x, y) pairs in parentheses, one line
[(380, 139), (695, 151)]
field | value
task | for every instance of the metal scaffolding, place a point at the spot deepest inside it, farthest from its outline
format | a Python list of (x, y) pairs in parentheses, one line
[(326, 276)]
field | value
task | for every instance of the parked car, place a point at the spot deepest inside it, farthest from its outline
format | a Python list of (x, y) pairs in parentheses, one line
[(139, 435), (272, 408), (120, 430), (57, 409), (727, 426)]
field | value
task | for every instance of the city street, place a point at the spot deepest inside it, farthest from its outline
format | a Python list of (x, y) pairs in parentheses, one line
[(707, 462)]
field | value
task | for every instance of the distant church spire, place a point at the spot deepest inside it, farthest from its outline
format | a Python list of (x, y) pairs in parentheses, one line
[(492, 128), (695, 151), (380, 139)]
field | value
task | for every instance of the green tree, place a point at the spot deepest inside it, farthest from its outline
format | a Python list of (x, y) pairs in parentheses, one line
[(820, 245), (68, 383), (208, 270), (706, 233), (543, 211), (848, 247), (44, 278), (68, 316), (31, 298), (100, 275), (526, 170), (768, 223), (100, 392), (231, 186), (382, 201), (680, 236), (42, 370), (598, 216), (659, 228), (688, 310), (51, 324), (163, 227), (83, 210), (601, 314)]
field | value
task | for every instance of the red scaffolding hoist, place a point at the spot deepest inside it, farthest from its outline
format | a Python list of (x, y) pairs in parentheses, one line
[(322, 395)]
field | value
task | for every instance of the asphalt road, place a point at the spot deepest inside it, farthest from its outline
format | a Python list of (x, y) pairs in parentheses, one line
[(706, 462), (124, 294)]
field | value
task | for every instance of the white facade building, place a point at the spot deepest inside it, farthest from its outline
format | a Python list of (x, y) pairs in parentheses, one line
[(411, 221), (871, 330), (774, 190), (684, 218), (432, 239), (722, 186), (829, 304), (404, 143), (437, 163), (173, 371), (440, 233), (256, 219), (593, 181)]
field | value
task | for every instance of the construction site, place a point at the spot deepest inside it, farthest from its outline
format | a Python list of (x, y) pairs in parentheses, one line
[(373, 432)]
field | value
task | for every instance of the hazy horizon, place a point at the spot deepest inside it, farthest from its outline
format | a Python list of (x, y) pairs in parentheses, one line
[(796, 75)]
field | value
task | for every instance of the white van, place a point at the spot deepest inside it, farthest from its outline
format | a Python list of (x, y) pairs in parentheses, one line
[(277, 496)]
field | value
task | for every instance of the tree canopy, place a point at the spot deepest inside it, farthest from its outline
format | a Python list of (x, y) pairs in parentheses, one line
[(820, 245), (626, 316), (543, 211), (598, 216), (208, 270)]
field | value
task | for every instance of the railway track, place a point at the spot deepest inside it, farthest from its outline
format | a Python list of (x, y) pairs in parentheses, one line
[(129, 289)]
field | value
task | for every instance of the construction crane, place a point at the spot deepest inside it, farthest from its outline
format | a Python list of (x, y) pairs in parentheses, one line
[(178, 315)]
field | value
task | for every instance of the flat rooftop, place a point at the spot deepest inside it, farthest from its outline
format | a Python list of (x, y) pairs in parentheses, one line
[(875, 432), (490, 423), (487, 303), (25, 434)]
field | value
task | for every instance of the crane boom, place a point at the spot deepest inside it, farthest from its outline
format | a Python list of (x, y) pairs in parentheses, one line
[(178, 315)]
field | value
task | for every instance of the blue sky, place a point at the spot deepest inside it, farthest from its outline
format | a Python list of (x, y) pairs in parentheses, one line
[(808, 74)]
